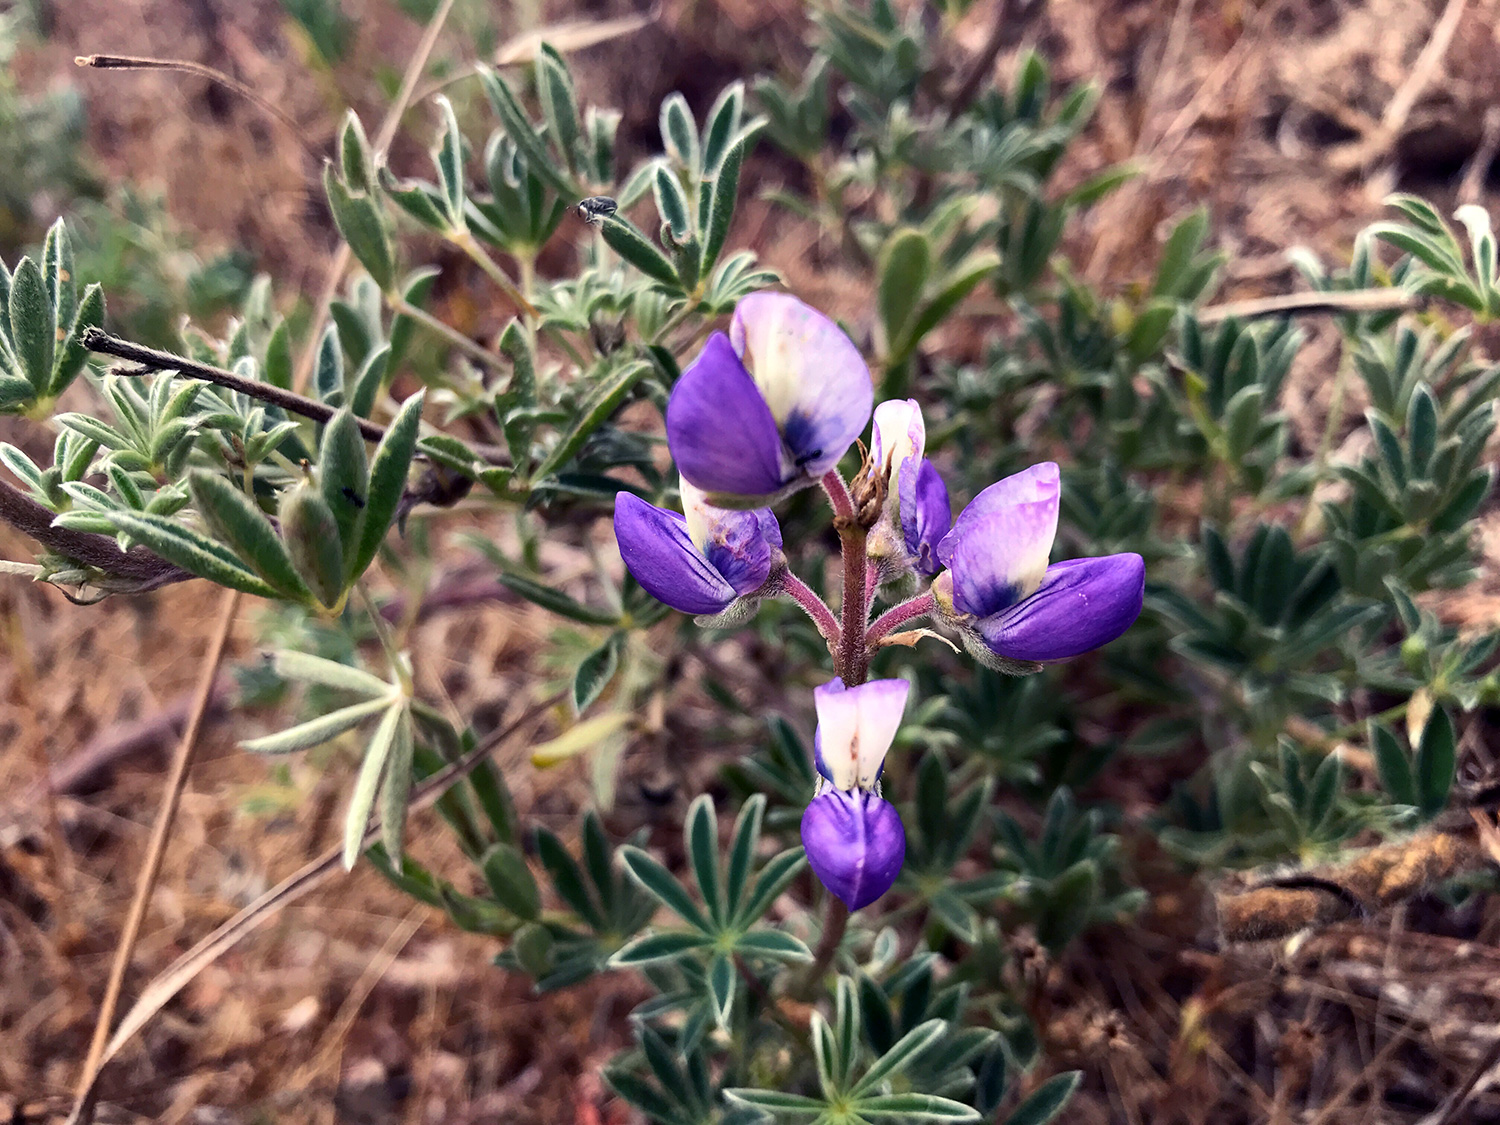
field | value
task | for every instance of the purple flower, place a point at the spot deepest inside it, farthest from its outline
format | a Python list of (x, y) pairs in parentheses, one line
[(855, 844), (854, 839), (856, 727), (701, 562), (770, 407), (1000, 592), (917, 511)]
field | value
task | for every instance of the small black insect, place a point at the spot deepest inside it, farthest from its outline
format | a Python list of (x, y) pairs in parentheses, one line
[(596, 208), (353, 497), (807, 458)]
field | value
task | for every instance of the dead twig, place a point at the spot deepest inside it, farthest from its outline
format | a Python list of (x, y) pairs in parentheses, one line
[(136, 570), (1378, 142), (146, 882), (1313, 303), (132, 62)]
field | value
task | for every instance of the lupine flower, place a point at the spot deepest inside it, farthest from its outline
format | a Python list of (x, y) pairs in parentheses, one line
[(700, 562), (770, 407), (917, 510), (854, 839), (1000, 592)]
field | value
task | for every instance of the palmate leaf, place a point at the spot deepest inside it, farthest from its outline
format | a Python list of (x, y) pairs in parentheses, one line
[(603, 400), (180, 546), (701, 836), (914, 1107), (371, 770), (1047, 1100), (240, 524), (664, 946), (894, 1061), (657, 881), (777, 1102), (315, 732)]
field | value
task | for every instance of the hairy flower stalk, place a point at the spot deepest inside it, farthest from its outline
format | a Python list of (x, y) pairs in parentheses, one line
[(772, 407)]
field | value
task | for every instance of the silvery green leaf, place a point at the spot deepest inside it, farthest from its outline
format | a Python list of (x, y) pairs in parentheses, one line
[(343, 475), (895, 1061), (511, 882), (635, 248), (354, 154), (722, 985), (315, 732), (306, 668), (311, 535), (23, 467), (363, 225), (745, 837), (662, 946), (31, 329), (776, 1101), (679, 132), (362, 800), (71, 354), (396, 790), (193, 552), (1046, 1101), (774, 945), (328, 372), (660, 883), (559, 103), (388, 469), (449, 159), (368, 381), (723, 124), (603, 400), (915, 1107), (521, 131), (595, 671)]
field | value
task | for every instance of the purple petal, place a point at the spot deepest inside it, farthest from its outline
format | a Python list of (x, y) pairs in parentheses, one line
[(855, 844), (1036, 488), (736, 543), (1082, 604), (719, 428), (856, 727), (812, 377), (999, 544), (926, 513), (655, 546)]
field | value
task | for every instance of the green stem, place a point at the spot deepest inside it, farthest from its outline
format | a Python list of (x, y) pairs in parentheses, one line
[(451, 335), (481, 257)]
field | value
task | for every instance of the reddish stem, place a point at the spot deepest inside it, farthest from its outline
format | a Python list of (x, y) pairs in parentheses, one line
[(838, 496), (815, 607), (898, 615)]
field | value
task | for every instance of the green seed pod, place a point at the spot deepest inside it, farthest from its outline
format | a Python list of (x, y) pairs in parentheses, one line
[(1414, 654), (311, 534)]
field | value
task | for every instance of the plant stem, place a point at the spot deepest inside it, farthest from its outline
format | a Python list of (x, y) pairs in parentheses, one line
[(97, 340), (838, 495), (480, 257), (835, 922), (896, 616), (452, 335), (815, 607), (853, 657), (160, 834)]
